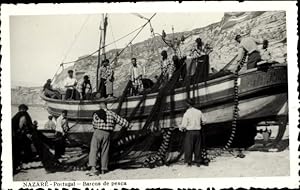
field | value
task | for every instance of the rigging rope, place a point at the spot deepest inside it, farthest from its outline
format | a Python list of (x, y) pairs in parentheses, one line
[(105, 46), (119, 53), (76, 36), (236, 102), (112, 33), (235, 109)]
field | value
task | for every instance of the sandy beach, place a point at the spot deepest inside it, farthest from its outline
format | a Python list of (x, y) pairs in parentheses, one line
[(254, 164)]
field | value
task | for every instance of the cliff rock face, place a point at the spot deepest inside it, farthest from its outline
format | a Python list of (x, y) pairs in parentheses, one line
[(26, 95), (220, 36)]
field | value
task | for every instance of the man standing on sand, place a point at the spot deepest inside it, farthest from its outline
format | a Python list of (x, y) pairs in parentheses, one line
[(50, 124), (248, 45), (21, 137), (104, 122), (61, 129), (192, 122)]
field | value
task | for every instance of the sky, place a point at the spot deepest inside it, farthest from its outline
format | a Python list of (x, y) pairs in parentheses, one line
[(40, 43)]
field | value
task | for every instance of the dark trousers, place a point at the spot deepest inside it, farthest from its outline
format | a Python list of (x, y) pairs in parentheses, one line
[(100, 143), (71, 94), (60, 145), (253, 59), (192, 145), (103, 88)]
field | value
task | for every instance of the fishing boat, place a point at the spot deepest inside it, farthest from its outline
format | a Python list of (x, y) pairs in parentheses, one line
[(262, 96)]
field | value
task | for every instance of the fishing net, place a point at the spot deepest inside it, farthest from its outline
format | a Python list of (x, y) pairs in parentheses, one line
[(156, 143)]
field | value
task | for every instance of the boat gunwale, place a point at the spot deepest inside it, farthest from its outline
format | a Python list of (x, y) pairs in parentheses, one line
[(151, 95), (226, 99)]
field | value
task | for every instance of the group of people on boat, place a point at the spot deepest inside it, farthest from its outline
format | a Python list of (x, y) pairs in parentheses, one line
[(255, 58), (169, 64), (70, 85), (136, 76)]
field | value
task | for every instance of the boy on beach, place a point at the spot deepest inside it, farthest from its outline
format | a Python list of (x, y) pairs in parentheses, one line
[(50, 124)]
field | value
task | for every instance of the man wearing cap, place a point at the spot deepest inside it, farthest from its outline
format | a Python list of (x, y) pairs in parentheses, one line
[(50, 124), (109, 79), (86, 88), (248, 46), (22, 128), (49, 91), (192, 122), (135, 76), (167, 66), (104, 122), (70, 85), (192, 59), (103, 78)]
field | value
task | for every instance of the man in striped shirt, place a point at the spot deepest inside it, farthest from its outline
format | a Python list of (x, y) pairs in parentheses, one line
[(104, 122)]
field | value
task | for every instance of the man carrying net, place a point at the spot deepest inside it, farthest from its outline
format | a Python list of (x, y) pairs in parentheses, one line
[(104, 122)]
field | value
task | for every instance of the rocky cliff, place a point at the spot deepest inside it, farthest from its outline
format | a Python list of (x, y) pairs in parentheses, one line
[(269, 25), (220, 36), (26, 95)]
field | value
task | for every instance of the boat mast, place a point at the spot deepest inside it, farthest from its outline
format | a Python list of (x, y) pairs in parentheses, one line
[(101, 47), (104, 33)]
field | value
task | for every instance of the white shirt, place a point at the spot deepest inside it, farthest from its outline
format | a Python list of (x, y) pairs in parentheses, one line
[(250, 44), (265, 55), (50, 125), (193, 119), (70, 82), (135, 72), (61, 123)]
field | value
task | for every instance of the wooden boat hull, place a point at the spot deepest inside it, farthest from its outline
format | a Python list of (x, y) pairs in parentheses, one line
[(261, 94)]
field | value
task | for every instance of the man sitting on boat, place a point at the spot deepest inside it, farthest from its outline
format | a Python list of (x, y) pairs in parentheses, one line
[(49, 91), (167, 66), (86, 88), (104, 122), (266, 57), (248, 45), (70, 85), (135, 77), (192, 122)]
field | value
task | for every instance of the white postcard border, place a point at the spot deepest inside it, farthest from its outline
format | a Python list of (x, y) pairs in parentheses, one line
[(291, 14)]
